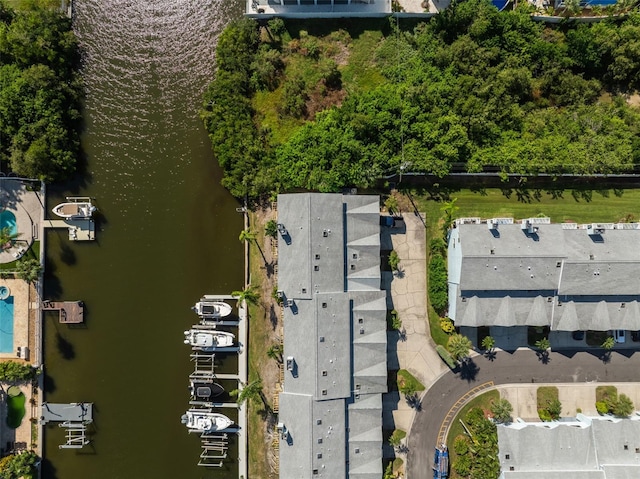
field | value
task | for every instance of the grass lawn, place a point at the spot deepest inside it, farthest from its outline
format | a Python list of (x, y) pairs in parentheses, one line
[(407, 380), (546, 394), (258, 344), (15, 410), (483, 401), (606, 392)]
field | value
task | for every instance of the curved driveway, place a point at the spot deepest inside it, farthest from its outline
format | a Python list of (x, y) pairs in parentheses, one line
[(522, 366)]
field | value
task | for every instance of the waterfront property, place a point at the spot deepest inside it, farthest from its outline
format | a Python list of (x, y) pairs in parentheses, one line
[(567, 277), (586, 447), (330, 409)]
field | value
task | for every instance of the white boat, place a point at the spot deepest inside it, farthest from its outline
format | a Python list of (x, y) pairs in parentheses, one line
[(206, 340), (212, 309), (74, 210), (202, 420)]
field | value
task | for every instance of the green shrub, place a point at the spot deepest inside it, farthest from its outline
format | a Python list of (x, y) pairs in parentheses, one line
[(447, 325), (394, 260), (602, 408), (437, 246), (555, 408), (461, 446), (544, 415), (294, 97), (446, 357), (462, 466), (395, 323), (438, 287)]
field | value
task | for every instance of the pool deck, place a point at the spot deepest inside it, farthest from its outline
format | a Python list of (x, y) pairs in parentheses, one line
[(21, 293), (28, 208)]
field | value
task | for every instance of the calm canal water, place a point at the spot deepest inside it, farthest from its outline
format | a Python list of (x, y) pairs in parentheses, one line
[(168, 233)]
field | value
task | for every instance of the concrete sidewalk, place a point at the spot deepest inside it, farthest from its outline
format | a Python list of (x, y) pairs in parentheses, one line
[(573, 396), (412, 350)]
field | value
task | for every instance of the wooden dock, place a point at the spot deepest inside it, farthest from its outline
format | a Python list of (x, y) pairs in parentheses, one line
[(70, 312), (79, 229)]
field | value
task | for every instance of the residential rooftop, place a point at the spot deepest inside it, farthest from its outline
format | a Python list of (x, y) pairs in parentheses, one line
[(330, 409), (535, 273), (587, 447)]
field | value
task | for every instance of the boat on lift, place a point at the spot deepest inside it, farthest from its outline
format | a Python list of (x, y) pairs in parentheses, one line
[(205, 421), (207, 340), (212, 309), (75, 209), (204, 391)]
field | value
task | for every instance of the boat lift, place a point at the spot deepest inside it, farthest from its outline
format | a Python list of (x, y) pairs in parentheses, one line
[(74, 417), (76, 435), (214, 449)]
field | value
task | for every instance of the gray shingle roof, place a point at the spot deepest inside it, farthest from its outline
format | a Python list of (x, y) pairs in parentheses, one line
[(588, 448), (335, 331), (560, 277)]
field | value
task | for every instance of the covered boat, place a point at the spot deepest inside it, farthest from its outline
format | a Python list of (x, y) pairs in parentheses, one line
[(204, 390), (212, 309), (74, 210), (208, 340), (205, 421)]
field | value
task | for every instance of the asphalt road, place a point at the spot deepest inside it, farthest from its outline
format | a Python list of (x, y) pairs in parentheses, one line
[(522, 366)]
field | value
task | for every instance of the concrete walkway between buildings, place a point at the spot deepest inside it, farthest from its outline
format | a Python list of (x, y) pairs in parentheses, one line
[(411, 348)]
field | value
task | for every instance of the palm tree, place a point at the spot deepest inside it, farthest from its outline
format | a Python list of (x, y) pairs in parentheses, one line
[(543, 344), (488, 343), (623, 406), (608, 343), (449, 213), (248, 294), (7, 237), (501, 410), (29, 270), (247, 235), (252, 392), (459, 346), (275, 352)]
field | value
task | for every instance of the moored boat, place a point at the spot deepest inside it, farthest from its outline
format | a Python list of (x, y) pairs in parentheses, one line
[(74, 210), (207, 340), (205, 421), (212, 309), (204, 390)]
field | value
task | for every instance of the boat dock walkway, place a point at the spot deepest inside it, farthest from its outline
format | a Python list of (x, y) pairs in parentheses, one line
[(79, 229), (70, 312), (78, 412)]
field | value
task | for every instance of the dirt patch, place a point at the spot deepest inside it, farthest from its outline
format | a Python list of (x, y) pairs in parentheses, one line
[(322, 98)]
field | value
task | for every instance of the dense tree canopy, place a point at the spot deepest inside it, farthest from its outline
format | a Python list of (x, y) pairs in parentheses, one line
[(40, 94), (472, 86)]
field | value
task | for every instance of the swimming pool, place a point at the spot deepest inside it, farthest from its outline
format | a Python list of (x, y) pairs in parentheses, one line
[(6, 325), (8, 220)]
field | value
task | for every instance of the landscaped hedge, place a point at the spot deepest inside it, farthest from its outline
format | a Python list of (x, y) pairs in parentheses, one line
[(438, 286), (446, 357)]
